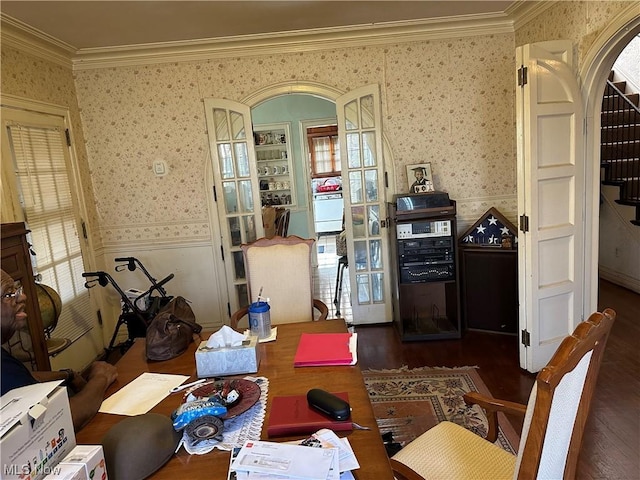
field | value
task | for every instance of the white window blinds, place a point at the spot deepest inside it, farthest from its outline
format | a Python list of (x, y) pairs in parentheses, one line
[(43, 178)]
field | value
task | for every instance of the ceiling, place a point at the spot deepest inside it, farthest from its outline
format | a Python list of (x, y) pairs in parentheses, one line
[(104, 24)]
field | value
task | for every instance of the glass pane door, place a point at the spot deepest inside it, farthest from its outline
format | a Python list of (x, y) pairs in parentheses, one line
[(360, 130), (236, 188)]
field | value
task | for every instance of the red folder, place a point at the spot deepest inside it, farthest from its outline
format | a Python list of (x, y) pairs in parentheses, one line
[(292, 415), (319, 349)]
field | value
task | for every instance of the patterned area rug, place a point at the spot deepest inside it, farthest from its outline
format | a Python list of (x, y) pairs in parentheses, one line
[(408, 402)]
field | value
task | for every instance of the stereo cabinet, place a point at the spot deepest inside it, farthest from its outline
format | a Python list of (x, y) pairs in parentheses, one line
[(424, 252)]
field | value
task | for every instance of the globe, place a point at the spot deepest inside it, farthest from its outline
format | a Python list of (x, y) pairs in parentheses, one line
[(50, 308)]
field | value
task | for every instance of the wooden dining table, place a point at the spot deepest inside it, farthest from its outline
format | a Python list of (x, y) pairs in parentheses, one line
[(276, 364)]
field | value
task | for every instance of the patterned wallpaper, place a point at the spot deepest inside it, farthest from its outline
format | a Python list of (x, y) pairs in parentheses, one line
[(448, 102), (580, 22)]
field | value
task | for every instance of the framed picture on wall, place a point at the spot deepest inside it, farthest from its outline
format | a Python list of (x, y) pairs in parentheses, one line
[(419, 178)]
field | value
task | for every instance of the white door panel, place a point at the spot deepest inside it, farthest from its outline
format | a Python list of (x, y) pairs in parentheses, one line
[(236, 185), (364, 194), (550, 179)]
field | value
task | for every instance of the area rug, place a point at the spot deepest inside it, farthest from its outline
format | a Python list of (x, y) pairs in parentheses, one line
[(408, 402)]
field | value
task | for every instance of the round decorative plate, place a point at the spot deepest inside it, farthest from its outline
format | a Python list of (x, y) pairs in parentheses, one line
[(249, 394)]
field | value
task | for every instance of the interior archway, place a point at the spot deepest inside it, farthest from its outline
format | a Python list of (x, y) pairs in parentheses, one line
[(326, 92), (595, 69)]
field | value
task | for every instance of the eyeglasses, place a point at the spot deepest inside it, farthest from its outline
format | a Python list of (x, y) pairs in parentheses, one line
[(17, 291)]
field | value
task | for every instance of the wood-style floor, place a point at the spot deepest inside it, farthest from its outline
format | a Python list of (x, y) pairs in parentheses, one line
[(611, 446)]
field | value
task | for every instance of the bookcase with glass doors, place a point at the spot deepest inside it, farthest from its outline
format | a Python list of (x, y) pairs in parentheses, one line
[(274, 164)]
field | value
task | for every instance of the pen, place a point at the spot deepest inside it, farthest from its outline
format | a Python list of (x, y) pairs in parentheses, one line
[(187, 385)]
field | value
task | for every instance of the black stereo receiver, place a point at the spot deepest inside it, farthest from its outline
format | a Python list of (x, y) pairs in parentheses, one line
[(426, 259)]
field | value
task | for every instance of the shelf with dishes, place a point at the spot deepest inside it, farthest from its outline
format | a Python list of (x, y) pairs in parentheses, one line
[(272, 197), (274, 164)]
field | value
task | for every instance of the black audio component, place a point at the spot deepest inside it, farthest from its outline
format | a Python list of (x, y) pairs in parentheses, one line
[(426, 259)]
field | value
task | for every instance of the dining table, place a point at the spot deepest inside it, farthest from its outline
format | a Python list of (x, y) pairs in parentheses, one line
[(277, 365)]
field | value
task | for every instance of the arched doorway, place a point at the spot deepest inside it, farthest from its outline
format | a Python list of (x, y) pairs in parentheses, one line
[(594, 72), (236, 176)]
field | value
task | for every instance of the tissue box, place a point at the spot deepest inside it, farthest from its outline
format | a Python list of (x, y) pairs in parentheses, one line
[(37, 430), (218, 362), (85, 462)]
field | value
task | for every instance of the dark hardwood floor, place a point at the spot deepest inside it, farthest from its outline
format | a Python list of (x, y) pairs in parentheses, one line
[(611, 445)]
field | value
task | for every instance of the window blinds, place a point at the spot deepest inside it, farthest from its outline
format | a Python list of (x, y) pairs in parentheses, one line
[(45, 195)]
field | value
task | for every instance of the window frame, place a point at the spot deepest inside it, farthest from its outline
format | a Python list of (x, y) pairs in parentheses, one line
[(331, 132)]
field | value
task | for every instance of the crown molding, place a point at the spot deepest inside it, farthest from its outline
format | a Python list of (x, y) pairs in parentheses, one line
[(27, 39), (35, 42), (523, 11), (293, 42)]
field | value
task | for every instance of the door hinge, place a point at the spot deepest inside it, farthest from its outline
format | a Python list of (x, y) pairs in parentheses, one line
[(222, 252), (215, 195), (522, 76), (526, 338), (68, 136), (229, 309), (524, 223), (84, 230), (386, 180)]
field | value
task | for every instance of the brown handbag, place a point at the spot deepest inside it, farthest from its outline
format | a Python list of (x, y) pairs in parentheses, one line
[(171, 331)]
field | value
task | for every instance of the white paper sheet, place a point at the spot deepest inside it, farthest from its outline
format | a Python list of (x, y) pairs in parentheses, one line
[(142, 394), (286, 460)]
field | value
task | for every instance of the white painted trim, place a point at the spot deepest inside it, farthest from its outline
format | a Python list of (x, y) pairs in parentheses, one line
[(42, 45), (303, 126), (28, 104), (523, 11), (593, 74), (293, 42), (30, 40), (306, 87), (618, 278)]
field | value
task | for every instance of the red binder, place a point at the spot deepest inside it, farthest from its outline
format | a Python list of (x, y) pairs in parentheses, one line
[(320, 349), (292, 415)]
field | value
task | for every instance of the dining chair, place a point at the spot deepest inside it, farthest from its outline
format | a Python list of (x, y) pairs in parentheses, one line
[(280, 267), (282, 222), (554, 421)]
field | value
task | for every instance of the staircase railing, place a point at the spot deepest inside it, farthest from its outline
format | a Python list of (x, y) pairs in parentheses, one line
[(620, 153)]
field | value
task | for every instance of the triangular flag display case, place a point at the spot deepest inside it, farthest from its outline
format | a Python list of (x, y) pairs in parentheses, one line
[(489, 274), (492, 230)]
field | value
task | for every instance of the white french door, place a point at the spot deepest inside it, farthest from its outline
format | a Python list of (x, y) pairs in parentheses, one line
[(363, 180), (237, 193), (39, 183), (550, 199)]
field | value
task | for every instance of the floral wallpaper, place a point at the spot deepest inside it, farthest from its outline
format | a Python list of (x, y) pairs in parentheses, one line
[(580, 22), (449, 102)]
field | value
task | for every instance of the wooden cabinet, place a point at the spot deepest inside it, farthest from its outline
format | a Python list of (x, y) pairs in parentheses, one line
[(16, 261), (489, 274), (274, 164), (490, 289), (426, 294)]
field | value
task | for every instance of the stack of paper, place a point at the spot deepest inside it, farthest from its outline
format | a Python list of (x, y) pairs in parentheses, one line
[(322, 349), (331, 459)]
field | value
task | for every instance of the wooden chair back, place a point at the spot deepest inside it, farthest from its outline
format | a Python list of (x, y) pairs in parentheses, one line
[(282, 223), (560, 400)]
